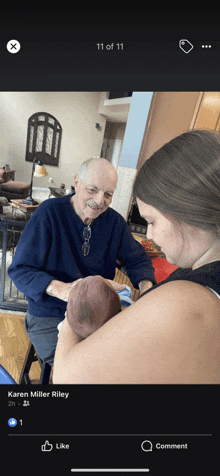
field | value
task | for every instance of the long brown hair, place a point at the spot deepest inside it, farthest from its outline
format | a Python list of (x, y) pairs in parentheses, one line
[(182, 179)]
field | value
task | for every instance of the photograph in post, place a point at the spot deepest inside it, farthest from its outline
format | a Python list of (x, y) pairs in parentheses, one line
[(113, 231)]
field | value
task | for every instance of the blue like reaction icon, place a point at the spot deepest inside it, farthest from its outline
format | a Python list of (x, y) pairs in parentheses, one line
[(12, 422)]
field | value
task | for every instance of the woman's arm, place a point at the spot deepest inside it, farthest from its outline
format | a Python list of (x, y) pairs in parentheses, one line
[(67, 340), (165, 337)]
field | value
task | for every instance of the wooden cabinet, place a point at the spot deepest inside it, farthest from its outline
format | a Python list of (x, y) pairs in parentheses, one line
[(207, 112), (173, 113)]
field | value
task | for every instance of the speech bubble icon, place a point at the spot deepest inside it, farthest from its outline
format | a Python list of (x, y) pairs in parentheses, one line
[(146, 445)]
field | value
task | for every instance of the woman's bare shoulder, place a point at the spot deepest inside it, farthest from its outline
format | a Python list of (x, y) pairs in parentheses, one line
[(178, 288), (188, 297), (182, 303)]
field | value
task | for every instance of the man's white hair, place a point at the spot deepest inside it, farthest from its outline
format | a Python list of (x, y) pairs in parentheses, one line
[(84, 167)]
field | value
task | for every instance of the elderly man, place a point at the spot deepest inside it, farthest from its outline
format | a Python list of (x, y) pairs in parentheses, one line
[(70, 238)]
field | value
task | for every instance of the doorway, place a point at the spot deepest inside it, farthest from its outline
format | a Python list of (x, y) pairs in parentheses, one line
[(113, 141)]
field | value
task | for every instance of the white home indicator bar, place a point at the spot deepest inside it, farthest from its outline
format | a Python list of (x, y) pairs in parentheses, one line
[(112, 470)]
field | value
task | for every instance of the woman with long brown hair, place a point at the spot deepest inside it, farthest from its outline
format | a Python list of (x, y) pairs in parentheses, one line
[(171, 334)]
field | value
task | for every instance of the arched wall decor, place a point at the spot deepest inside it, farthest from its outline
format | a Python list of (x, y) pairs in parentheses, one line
[(43, 138)]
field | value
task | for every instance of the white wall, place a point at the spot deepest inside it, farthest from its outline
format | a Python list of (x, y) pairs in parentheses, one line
[(77, 113)]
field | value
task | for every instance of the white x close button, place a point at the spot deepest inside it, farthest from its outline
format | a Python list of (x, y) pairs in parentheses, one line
[(13, 46)]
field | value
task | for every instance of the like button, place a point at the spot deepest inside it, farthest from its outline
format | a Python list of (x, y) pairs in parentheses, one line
[(47, 446)]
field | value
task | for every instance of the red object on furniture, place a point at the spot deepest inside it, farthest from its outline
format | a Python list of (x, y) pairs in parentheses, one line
[(162, 268), (151, 251)]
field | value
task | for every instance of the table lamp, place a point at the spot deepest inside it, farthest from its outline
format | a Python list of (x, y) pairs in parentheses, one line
[(40, 171)]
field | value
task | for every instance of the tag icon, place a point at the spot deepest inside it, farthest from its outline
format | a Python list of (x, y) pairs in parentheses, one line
[(47, 446), (185, 46)]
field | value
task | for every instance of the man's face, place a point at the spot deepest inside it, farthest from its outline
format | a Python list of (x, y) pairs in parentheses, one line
[(94, 193)]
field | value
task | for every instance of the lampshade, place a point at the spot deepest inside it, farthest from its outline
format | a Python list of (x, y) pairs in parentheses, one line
[(40, 171)]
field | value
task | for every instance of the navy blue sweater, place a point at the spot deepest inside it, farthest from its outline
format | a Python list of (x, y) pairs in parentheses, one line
[(50, 247)]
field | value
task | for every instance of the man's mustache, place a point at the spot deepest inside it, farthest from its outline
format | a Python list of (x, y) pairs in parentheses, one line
[(94, 205)]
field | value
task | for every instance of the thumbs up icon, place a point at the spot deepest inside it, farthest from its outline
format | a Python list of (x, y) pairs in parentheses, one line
[(47, 446)]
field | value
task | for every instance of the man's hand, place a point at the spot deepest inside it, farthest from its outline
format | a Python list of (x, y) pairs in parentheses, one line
[(117, 286), (61, 290), (144, 285)]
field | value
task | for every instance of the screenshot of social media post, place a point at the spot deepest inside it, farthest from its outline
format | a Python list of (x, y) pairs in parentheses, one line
[(110, 247)]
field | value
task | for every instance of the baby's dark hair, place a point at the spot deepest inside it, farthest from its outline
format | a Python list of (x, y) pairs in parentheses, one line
[(92, 302)]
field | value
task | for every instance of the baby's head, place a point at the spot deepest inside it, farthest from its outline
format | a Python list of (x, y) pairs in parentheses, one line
[(92, 302)]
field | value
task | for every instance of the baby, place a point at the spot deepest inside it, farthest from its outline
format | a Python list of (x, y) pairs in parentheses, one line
[(92, 302)]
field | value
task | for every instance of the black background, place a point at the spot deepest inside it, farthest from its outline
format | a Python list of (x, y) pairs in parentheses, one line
[(106, 425), (59, 53)]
